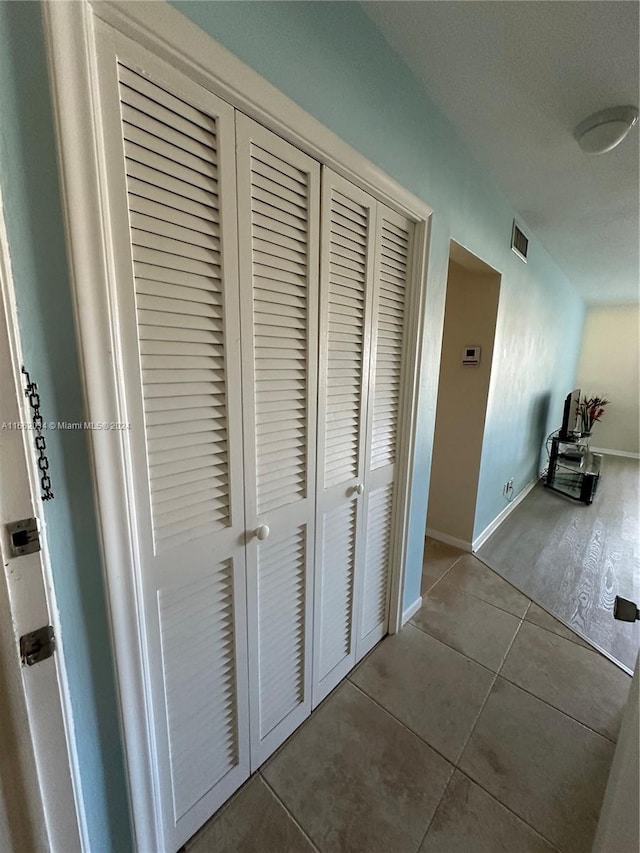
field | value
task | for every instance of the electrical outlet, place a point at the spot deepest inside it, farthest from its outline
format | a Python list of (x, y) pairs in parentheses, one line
[(507, 489)]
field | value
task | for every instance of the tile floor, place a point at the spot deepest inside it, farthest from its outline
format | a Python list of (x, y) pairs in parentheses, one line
[(484, 726)]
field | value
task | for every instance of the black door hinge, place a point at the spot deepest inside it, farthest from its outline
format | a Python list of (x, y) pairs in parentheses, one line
[(37, 645)]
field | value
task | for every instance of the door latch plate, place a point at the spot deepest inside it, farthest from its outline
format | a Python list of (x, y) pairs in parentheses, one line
[(37, 645), (24, 537)]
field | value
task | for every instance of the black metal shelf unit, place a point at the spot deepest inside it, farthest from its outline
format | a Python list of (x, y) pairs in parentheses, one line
[(573, 470)]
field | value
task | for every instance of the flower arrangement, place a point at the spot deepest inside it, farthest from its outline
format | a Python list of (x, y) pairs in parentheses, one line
[(590, 410)]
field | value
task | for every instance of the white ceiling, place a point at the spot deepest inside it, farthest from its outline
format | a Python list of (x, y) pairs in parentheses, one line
[(515, 77)]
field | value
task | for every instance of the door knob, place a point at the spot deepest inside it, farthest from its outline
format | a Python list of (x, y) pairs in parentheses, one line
[(262, 532), (359, 489)]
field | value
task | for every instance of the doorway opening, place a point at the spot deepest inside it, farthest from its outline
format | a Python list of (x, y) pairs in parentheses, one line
[(471, 310)]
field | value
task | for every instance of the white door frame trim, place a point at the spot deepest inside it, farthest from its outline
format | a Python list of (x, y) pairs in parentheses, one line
[(43, 690), (70, 37)]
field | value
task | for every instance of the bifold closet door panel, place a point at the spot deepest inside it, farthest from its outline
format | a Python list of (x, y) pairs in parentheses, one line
[(393, 252), (278, 216), (346, 273), (170, 155)]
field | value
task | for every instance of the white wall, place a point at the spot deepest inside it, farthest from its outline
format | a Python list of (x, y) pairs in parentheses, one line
[(609, 366), (619, 824)]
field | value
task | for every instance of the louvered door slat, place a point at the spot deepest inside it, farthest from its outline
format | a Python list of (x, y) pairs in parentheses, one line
[(182, 248), (374, 606), (274, 289), (388, 358), (201, 756), (346, 283), (197, 227), (281, 592), (175, 132), (153, 251), (278, 214), (203, 177), (393, 256), (336, 606), (341, 397), (172, 118), (153, 225), (170, 163), (195, 160)]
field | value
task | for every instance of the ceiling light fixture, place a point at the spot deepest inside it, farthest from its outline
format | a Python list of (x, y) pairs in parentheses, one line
[(605, 129)]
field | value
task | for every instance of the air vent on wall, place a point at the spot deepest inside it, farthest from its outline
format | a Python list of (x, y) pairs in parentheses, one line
[(519, 243)]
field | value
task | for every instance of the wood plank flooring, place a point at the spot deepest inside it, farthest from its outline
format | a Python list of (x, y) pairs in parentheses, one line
[(573, 559)]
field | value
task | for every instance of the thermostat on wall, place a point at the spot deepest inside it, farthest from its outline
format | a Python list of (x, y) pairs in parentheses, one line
[(471, 355)]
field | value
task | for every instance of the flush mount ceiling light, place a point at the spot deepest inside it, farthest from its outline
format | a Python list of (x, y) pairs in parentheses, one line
[(605, 129)]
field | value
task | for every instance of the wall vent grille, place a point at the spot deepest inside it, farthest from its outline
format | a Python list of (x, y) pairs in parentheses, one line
[(519, 243)]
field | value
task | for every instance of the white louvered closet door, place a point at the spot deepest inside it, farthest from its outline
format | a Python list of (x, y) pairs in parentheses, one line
[(393, 251), (347, 261), (171, 179), (278, 215)]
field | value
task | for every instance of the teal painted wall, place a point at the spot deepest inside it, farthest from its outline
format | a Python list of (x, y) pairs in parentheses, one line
[(31, 198), (330, 59)]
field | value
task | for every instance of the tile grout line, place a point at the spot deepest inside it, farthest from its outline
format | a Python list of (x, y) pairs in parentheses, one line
[(484, 600), (455, 763), (559, 710), (214, 818), (475, 781), (488, 562), (291, 815), (451, 648), (443, 575), (496, 675), (513, 639), (403, 725), (552, 844), (534, 695), (490, 691), (435, 811), (580, 642), (473, 728)]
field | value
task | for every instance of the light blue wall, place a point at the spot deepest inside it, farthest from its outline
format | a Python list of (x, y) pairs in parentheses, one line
[(331, 60), (31, 198), (535, 360)]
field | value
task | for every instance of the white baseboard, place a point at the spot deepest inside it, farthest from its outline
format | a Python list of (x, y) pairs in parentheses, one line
[(615, 452), (449, 540), (479, 541), (411, 610)]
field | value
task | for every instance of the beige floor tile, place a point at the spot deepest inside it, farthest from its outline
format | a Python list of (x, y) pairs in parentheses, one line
[(253, 822), (579, 682), (477, 629), (540, 617), (469, 819), (357, 780), (438, 559), (432, 689), (471, 576), (544, 766)]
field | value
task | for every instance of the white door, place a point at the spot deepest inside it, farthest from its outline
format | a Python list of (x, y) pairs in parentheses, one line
[(393, 251), (278, 215), (170, 150), (37, 807), (347, 281)]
